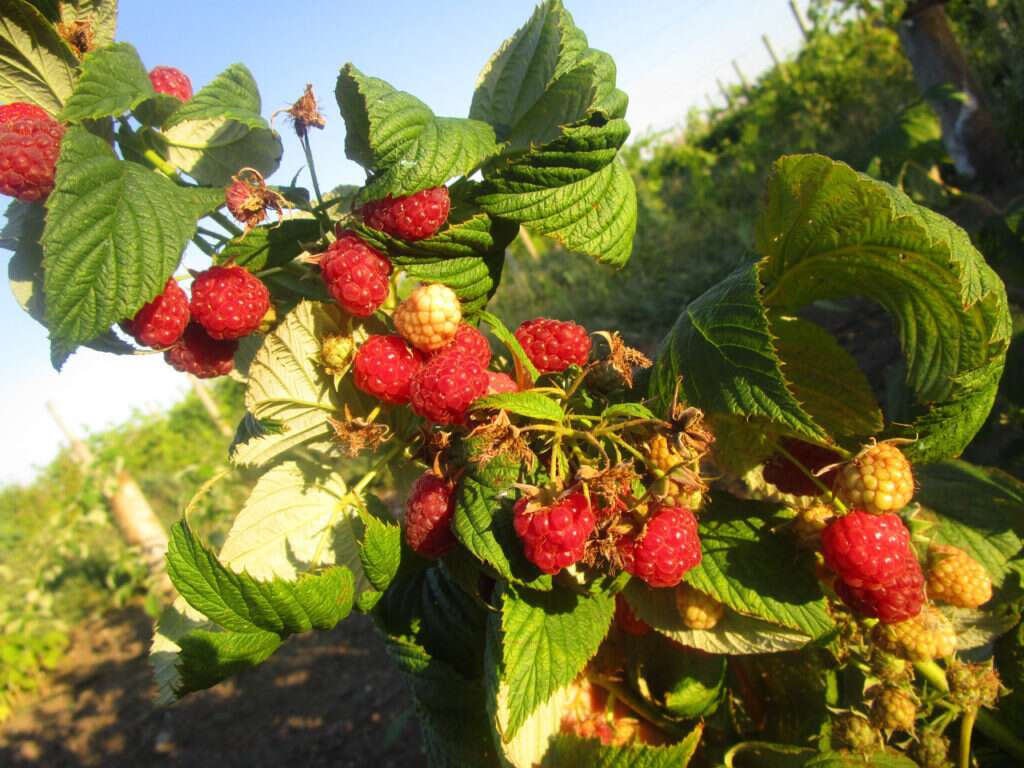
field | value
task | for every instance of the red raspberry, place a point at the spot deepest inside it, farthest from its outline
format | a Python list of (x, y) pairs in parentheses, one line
[(229, 302), (627, 620), (428, 516), (554, 345), (161, 322), (384, 368), (412, 217), (172, 82), (789, 478), (200, 355), (29, 148), (878, 571), (470, 342), (554, 537), (500, 382), (444, 388), (356, 274), (667, 548)]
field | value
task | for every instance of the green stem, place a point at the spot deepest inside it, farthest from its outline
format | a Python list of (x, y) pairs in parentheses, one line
[(626, 446), (225, 222), (304, 141), (204, 246), (812, 477), (966, 728), (380, 464), (166, 168), (211, 233), (639, 705)]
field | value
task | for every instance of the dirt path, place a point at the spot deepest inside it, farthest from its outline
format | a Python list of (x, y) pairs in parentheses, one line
[(326, 699)]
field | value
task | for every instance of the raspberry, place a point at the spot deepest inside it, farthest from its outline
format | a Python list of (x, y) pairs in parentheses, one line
[(355, 274), (665, 550), (161, 322), (697, 609), (893, 710), (878, 480), (788, 477), (878, 571), (927, 636), (412, 217), (202, 356), (229, 302), (444, 388), (678, 473), (974, 685), (956, 578), (855, 731), (809, 524), (29, 148), (428, 516), (337, 353), (554, 345), (429, 318), (627, 620), (470, 342), (554, 536), (500, 382), (384, 367), (931, 750), (171, 82)]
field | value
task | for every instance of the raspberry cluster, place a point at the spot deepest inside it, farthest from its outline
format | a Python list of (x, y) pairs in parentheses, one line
[(29, 148), (554, 535), (877, 570)]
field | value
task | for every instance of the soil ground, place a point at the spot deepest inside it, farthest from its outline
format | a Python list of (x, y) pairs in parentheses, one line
[(325, 699)]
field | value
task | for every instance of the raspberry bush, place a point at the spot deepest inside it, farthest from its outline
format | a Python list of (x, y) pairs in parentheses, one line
[(732, 554)]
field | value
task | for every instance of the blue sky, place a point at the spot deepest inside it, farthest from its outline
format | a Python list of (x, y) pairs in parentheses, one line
[(669, 54)]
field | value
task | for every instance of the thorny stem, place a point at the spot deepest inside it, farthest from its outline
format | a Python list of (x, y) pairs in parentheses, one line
[(813, 478), (304, 141), (638, 704), (966, 727)]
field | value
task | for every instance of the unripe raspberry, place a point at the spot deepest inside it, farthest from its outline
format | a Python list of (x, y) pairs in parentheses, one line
[(229, 302), (384, 367), (29, 148), (788, 477), (171, 82), (973, 685), (931, 750), (878, 480), (926, 637), (677, 473), (470, 342), (627, 621), (554, 536), (428, 516), (202, 356), (878, 571), (446, 386), (498, 383), (355, 274), (697, 609), (856, 732), (161, 322), (554, 345), (956, 578), (413, 217), (894, 710), (889, 668), (337, 353), (665, 550), (810, 523), (429, 318)]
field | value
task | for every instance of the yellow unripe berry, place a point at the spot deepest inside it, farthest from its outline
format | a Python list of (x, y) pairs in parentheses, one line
[(429, 318)]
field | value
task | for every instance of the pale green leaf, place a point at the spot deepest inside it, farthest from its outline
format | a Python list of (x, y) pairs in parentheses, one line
[(526, 403), (36, 65), (271, 245), (572, 752)]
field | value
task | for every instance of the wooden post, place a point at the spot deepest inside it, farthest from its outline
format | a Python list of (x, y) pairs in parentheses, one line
[(210, 405), (775, 59), (742, 77), (133, 516), (795, 10), (725, 93)]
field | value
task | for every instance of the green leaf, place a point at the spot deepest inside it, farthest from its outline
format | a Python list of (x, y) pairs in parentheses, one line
[(113, 82), (114, 234), (571, 752), (627, 411), (21, 233), (554, 103), (723, 344), (827, 232), (750, 568), (685, 685), (220, 131), (849, 760), (977, 629), (978, 509), (467, 255), (296, 517), (271, 245), (207, 658), (595, 216), (734, 634), (505, 336), (380, 551), (36, 65), (401, 142), (825, 379), (547, 639), (527, 403)]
